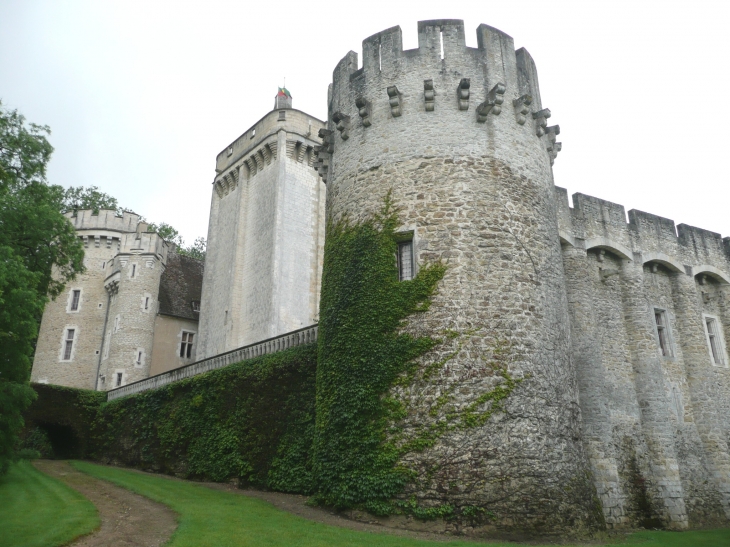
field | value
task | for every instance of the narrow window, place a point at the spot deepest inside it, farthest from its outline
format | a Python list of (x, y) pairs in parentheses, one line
[(134, 269), (713, 337), (405, 260), (186, 345), (68, 344), (103, 265), (441, 38), (146, 302), (139, 357), (75, 296), (119, 379), (196, 306), (660, 318)]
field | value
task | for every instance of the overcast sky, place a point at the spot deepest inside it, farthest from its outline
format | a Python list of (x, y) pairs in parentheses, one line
[(142, 95)]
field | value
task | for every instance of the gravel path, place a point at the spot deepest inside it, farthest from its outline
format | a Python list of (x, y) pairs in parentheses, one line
[(127, 519)]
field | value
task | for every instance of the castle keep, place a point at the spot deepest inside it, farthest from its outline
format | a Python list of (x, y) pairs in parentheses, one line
[(612, 327)]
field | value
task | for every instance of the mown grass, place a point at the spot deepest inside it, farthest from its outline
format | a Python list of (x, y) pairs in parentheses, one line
[(39, 511), (223, 519)]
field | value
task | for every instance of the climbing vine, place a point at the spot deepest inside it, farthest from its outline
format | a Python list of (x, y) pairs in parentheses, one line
[(364, 353)]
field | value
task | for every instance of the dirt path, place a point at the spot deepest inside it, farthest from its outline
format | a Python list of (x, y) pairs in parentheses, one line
[(127, 519)]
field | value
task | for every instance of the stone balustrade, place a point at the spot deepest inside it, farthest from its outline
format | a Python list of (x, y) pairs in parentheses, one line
[(292, 339)]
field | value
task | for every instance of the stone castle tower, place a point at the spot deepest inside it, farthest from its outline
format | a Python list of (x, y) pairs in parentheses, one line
[(618, 329), (461, 139), (266, 233), (99, 333)]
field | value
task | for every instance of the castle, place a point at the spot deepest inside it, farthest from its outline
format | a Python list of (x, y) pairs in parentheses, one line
[(618, 329)]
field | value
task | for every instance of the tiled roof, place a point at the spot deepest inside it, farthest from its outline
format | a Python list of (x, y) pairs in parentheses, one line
[(180, 286)]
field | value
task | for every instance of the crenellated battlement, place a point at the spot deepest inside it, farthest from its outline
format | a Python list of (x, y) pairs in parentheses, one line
[(105, 219), (601, 223), (446, 93)]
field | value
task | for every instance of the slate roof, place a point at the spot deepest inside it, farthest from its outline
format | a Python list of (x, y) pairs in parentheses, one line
[(180, 286)]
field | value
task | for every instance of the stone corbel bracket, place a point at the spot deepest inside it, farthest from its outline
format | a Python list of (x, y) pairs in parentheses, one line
[(462, 94), (541, 119), (322, 153), (394, 101), (363, 108), (522, 108), (493, 104), (553, 147), (429, 95), (342, 123)]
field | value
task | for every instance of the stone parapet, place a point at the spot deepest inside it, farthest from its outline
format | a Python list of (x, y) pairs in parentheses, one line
[(292, 339)]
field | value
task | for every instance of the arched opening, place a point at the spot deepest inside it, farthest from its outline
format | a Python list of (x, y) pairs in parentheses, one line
[(65, 443)]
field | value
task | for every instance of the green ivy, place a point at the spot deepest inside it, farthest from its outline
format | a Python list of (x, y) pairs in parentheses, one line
[(361, 355)]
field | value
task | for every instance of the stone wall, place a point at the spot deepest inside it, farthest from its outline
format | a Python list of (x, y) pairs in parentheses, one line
[(655, 423)]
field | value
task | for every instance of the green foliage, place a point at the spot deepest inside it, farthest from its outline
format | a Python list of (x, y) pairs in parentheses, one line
[(251, 421), (76, 198), (38, 511), (170, 234), (361, 355), (39, 253)]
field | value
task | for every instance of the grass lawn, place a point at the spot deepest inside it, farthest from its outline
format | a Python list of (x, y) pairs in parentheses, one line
[(222, 519), (36, 510)]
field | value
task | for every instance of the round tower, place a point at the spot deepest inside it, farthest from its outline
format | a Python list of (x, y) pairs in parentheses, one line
[(460, 139)]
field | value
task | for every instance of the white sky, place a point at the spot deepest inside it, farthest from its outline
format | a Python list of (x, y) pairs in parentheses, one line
[(142, 95)]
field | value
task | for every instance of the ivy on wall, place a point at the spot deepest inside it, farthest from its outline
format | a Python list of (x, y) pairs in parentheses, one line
[(361, 355), (252, 421)]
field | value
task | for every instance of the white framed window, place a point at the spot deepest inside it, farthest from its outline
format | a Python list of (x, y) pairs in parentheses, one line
[(663, 333), (186, 344), (139, 357), (70, 335), (405, 260), (118, 378), (715, 340), (74, 301), (196, 306), (146, 302)]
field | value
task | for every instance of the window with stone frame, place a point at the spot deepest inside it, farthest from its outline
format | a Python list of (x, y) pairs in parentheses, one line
[(186, 344), (119, 376), (663, 333), (715, 341), (406, 263), (68, 344), (75, 300)]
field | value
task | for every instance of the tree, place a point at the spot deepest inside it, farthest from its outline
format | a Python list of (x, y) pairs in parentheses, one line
[(39, 253), (171, 235), (79, 197)]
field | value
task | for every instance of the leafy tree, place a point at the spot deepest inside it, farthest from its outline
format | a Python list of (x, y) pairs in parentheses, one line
[(171, 235), (39, 253), (80, 197), (196, 250)]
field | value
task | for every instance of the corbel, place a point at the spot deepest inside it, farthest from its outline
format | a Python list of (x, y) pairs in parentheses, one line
[(342, 124), (363, 109), (522, 108), (553, 147), (429, 95), (301, 150), (493, 104), (394, 101), (541, 118), (462, 94)]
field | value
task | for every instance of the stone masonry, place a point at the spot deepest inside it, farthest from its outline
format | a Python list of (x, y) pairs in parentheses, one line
[(618, 329)]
